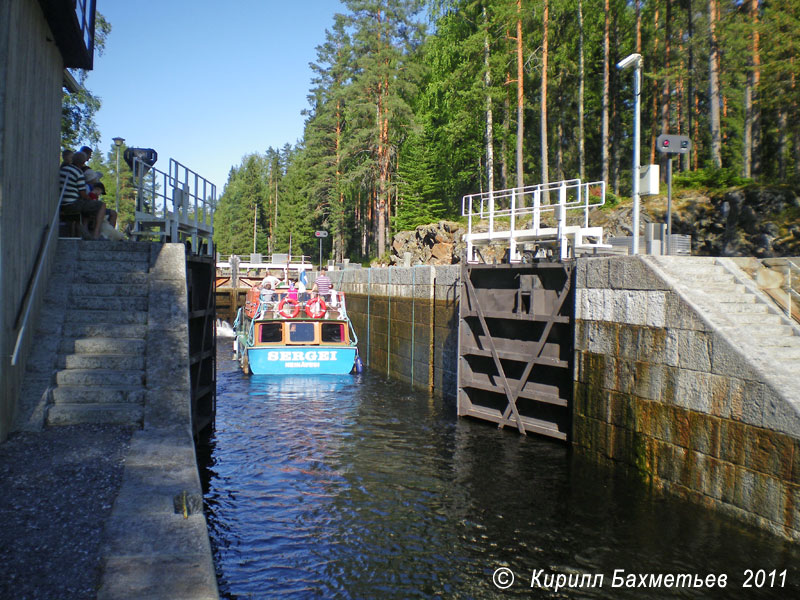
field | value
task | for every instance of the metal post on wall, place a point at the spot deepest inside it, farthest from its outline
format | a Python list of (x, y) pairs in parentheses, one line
[(369, 295), (413, 319), (389, 324)]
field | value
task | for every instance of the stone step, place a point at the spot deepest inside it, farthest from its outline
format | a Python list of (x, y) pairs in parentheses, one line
[(729, 289), (755, 318), (114, 277), (99, 330), (111, 303), (708, 277), (786, 353), (113, 256), (742, 307), (103, 345), (104, 316), (99, 377), (102, 266), (771, 331), (109, 246), (76, 394), (767, 341), (101, 361), (98, 290), (741, 299), (111, 414)]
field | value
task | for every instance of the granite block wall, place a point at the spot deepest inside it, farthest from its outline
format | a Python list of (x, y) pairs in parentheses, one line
[(406, 320), (659, 392)]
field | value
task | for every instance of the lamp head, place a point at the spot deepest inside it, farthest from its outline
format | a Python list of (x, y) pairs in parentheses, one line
[(118, 141), (633, 59)]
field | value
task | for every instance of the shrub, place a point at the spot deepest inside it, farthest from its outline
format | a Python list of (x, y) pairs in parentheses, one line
[(710, 178)]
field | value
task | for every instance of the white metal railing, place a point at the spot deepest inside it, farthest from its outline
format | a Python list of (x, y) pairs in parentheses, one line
[(791, 295), (36, 277), (277, 260), (532, 212), (175, 206)]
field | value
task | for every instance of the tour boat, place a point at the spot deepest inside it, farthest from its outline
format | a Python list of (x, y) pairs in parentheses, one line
[(284, 336)]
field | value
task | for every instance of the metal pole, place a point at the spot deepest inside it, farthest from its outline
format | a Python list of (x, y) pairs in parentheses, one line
[(116, 199), (637, 84), (669, 205), (320, 253)]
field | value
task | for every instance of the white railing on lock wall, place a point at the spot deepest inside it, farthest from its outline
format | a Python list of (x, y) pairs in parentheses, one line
[(527, 213), (180, 204)]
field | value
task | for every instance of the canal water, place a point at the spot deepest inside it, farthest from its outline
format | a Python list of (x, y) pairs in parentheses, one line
[(359, 487)]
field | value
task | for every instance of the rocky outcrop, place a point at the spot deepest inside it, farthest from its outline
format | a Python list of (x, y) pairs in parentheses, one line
[(435, 244), (758, 221)]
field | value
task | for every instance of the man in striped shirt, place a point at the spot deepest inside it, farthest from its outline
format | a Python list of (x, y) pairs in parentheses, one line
[(322, 284), (75, 199)]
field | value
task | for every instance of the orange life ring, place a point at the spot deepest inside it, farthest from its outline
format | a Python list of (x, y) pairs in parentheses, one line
[(293, 303), (319, 311)]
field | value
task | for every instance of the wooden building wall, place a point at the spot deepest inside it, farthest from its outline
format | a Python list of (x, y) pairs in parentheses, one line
[(31, 74)]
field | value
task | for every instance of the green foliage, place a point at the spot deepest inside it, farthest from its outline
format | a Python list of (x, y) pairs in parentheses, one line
[(710, 178), (612, 201), (78, 110), (397, 125)]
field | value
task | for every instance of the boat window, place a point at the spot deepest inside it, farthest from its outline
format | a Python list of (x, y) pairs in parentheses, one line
[(332, 332), (301, 332), (270, 333)]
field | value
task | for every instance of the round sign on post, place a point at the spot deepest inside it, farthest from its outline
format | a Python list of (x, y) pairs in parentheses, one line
[(320, 235)]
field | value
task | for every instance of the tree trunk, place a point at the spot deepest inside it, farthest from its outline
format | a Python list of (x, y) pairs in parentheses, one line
[(581, 86), (520, 99), (544, 148), (654, 112), (559, 137), (504, 143), (665, 87), (690, 99), (756, 120), (783, 142), (339, 225), (606, 93), (713, 63), (487, 81), (616, 123)]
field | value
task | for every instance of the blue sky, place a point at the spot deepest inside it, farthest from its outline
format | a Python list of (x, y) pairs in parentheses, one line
[(207, 82)]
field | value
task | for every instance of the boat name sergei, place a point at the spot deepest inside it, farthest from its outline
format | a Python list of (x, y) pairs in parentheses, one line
[(310, 355)]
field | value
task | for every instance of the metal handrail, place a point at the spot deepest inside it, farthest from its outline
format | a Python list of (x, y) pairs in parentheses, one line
[(291, 261), (192, 198), (510, 209), (790, 293), (37, 275)]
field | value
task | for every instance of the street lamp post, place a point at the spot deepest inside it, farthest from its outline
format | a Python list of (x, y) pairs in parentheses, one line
[(635, 60), (118, 141)]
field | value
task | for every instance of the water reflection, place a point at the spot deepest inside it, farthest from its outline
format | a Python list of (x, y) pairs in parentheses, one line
[(357, 487)]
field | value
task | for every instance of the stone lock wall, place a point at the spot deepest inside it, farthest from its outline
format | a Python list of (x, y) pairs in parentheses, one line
[(659, 392), (406, 321)]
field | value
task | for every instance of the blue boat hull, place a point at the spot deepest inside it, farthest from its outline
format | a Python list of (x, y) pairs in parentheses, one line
[(293, 360)]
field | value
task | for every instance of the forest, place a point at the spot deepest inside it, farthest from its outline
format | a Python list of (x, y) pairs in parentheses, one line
[(415, 103)]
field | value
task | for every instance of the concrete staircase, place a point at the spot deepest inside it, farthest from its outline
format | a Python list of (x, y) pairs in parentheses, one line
[(732, 302), (100, 359)]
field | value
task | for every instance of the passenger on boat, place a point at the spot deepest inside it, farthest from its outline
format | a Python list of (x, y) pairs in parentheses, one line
[(292, 293), (302, 294), (266, 294), (271, 280), (322, 284)]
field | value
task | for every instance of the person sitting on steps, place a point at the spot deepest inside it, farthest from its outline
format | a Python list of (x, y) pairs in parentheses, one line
[(76, 199)]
